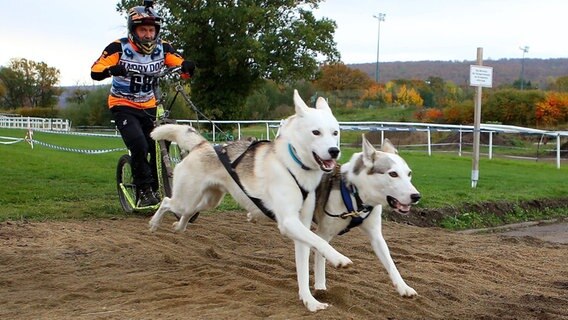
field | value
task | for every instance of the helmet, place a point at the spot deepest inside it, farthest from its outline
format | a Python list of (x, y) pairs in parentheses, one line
[(139, 16)]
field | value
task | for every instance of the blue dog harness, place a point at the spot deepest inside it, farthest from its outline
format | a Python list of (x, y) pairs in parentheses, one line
[(357, 214)]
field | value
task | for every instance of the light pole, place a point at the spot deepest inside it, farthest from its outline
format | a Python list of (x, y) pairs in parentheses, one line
[(525, 49), (380, 17)]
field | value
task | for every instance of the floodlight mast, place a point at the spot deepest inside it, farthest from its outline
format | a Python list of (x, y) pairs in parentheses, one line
[(525, 49), (380, 17)]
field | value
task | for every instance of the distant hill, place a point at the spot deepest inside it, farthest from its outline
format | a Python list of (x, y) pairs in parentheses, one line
[(505, 71)]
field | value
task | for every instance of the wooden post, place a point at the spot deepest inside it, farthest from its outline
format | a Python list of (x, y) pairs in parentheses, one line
[(476, 126)]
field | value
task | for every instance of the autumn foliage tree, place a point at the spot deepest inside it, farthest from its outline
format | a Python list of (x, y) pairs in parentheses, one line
[(404, 93), (406, 96), (552, 110), (377, 92), (338, 76)]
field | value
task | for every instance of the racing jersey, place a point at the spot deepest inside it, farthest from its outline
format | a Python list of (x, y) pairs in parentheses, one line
[(136, 90)]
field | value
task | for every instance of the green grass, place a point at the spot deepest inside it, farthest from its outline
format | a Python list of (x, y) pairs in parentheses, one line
[(43, 183), (475, 220), (396, 114)]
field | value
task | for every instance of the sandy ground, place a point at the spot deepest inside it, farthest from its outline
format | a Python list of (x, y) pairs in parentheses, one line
[(223, 267)]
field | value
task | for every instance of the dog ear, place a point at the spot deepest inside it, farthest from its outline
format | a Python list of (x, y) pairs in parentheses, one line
[(283, 123), (299, 104), (321, 104), (388, 147), (368, 151)]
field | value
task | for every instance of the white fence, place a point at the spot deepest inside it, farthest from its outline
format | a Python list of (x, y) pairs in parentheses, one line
[(428, 128), (19, 122), (382, 127)]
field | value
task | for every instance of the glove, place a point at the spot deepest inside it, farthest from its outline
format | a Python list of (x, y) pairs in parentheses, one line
[(117, 70), (188, 67)]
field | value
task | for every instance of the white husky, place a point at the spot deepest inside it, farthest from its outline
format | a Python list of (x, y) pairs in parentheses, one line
[(279, 178), (354, 196)]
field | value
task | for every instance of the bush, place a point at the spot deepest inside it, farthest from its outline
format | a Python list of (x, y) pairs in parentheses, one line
[(513, 107)]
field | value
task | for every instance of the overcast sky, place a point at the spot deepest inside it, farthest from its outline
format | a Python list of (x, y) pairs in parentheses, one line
[(70, 35)]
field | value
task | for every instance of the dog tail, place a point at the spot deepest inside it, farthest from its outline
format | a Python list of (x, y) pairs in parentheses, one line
[(185, 136)]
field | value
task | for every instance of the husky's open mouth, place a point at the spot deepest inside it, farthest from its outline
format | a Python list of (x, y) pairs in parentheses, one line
[(397, 206), (325, 165)]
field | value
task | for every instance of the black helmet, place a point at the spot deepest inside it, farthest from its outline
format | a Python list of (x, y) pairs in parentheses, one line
[(143, 15)]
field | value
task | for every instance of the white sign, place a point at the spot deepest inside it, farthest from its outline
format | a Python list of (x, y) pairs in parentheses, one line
[(481, 76)]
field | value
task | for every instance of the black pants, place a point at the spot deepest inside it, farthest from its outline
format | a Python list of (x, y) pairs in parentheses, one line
[(135, 126)]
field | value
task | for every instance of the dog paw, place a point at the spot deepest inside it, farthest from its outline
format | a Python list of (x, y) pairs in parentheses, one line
[(405, 291), (341, 262), (153, 226), (313, 305), (178, 227), (251, 217)]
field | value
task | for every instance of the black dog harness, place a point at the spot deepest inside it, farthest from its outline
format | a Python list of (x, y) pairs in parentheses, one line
[(357, 214), (230, 167)]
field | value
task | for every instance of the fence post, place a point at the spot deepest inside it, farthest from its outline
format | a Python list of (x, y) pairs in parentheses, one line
[(461, 139), (429, 142), (490, 145), (558, 150)]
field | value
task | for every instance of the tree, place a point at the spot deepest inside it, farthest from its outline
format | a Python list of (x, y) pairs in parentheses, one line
[(272, 100), (560, 84), (403, 92), (29, 84), (377, 92), (3, 90), (338, 76), (15, 89), (440, 94), (408, 97), (77, 95), (237, 44), (523, 84), (90, 110)]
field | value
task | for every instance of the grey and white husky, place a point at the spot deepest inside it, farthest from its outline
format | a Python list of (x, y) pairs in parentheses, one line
[(276, 178), (353, 197)]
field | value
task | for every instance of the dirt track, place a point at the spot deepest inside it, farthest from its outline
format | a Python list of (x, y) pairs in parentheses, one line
[(225, 268)]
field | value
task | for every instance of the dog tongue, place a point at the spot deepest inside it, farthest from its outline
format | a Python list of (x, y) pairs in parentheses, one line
[(329, 164), (403, 207)]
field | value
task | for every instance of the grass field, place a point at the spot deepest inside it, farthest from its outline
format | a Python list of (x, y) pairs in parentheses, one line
[(45, 183)]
